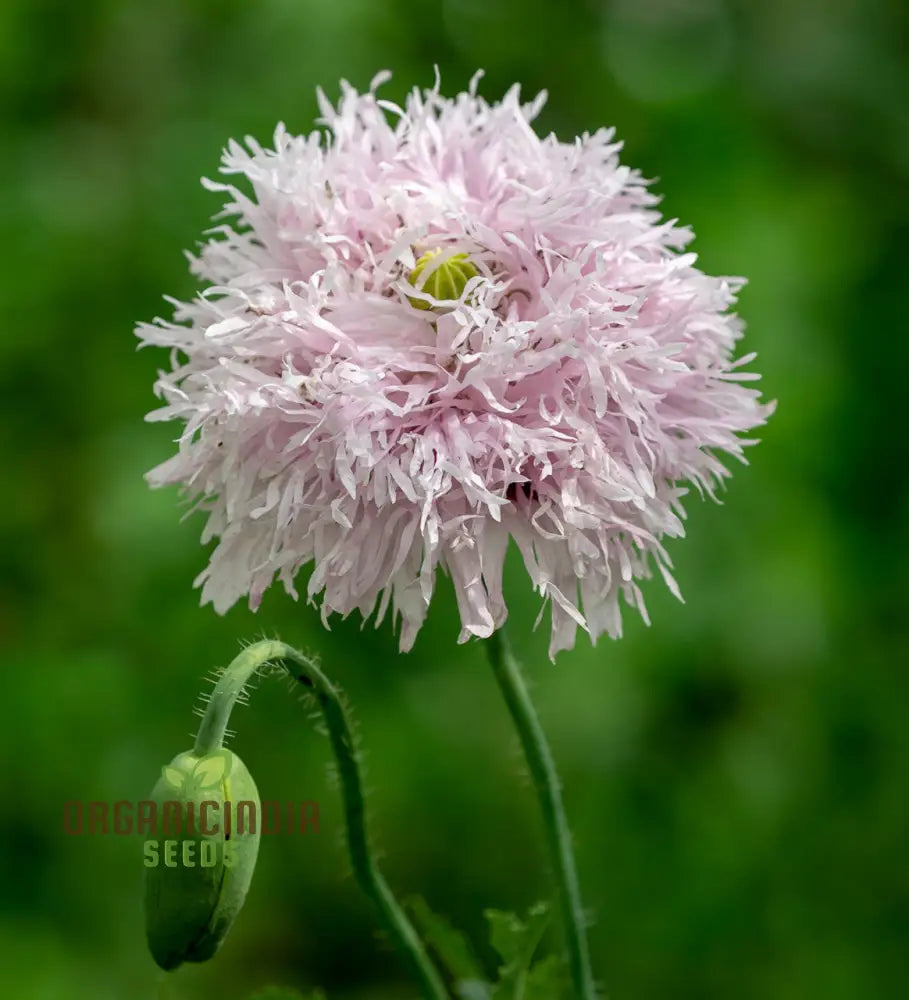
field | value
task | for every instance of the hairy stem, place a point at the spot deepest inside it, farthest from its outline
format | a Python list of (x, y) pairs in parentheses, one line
[(548, 788), (303, 669)]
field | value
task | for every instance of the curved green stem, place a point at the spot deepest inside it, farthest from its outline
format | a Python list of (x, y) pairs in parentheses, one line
[(369, 878), (546, 781)]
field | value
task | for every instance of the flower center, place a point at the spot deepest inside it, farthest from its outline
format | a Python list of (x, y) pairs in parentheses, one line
[(446, 280)]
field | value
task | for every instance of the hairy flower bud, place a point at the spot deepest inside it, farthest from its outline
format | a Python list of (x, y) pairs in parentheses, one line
[(199, 866)]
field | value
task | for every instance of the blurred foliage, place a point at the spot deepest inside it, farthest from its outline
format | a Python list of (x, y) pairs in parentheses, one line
[(736, 774), (520, 974)]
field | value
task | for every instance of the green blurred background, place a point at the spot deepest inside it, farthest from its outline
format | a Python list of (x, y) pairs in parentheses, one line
[(736, 775)]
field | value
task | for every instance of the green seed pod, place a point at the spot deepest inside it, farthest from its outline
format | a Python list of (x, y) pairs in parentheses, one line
[(446, 281), (201, 860)]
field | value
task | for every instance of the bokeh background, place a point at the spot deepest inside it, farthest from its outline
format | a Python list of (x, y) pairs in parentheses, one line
[(736, 774)]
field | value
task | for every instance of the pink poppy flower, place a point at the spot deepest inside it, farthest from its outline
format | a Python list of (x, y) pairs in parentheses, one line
[(430, 331)]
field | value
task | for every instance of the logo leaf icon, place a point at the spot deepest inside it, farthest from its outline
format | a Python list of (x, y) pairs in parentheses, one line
[(173, 776), (211, 770)]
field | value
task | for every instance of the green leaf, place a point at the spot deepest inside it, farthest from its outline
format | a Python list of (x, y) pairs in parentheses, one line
[(516, 941), (448, 943), (546, 980)]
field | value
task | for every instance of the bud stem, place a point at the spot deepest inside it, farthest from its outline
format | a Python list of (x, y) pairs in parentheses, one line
[(303, 669), (548, 788)]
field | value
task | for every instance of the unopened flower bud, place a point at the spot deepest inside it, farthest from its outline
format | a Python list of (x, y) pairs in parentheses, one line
[(207, 816)]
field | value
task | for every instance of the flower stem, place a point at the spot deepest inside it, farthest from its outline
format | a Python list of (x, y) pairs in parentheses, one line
[(366, 871), (548, 787)]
